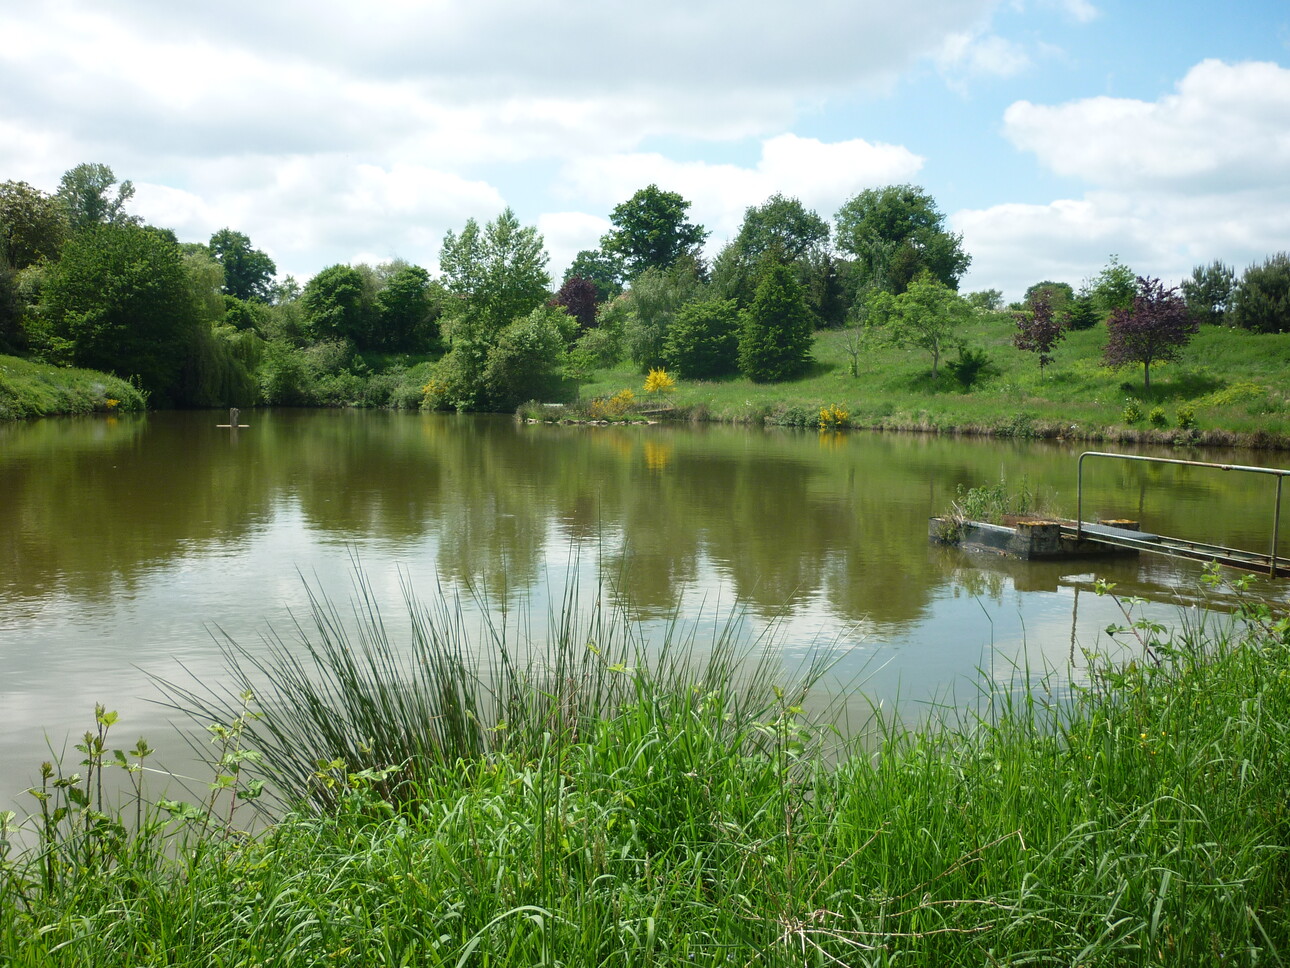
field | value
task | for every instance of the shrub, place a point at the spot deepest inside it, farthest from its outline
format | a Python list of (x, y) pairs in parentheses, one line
[(1158, 417), (601, 345), (833, 417), (1131, 413), (1186, 416), (659, 381), (703, 340), (970, 366)]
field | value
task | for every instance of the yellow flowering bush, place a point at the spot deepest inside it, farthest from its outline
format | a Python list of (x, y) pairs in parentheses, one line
[(615, 406), (659, 381), (833, 417)]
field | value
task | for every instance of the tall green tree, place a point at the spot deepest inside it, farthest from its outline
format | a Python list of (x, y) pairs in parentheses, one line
[(1209, 291), (895, 233), (927, 315), (407, 307), (33, 225), (775, 338), (120, 299), (651, 232), (334, 306), (248, 272), (655, 298), (85, 192), (780, 228), (1115, 286), (1261, 302), (498, 272), (1056, 294)]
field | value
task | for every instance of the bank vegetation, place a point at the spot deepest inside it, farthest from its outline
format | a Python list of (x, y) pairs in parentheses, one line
[(595, 795)]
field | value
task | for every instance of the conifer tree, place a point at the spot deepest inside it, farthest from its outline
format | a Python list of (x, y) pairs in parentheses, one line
[(775, 343)]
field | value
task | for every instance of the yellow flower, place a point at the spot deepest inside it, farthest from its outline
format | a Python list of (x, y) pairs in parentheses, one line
[(659, 381)]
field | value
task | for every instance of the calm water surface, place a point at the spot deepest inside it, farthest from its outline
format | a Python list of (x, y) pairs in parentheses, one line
[(125, 542)]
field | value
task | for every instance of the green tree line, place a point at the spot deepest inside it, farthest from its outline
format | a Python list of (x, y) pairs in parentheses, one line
[(83, 282)]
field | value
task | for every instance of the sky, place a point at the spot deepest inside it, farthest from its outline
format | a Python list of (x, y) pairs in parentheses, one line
[(1052, 133)]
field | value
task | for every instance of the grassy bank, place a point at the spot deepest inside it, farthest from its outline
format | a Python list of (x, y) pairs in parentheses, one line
[(1231, 387), (603, 800), (30, 389)]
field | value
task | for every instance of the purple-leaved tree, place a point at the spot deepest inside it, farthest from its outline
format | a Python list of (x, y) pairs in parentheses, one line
[(1038, 330), (578, 297), (1155, 328)]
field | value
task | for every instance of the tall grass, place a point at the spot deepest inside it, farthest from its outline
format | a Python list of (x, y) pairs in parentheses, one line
[(668, 817), (460, 680)]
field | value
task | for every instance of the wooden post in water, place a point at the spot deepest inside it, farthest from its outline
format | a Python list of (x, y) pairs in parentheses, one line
[(233, 414)]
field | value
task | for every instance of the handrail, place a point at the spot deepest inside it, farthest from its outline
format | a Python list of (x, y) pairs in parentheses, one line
[(1278, 472)]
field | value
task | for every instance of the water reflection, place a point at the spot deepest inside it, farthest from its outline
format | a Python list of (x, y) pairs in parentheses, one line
[(122, 537)]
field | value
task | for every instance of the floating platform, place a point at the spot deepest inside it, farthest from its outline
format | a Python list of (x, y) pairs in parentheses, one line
[(1035, 540)]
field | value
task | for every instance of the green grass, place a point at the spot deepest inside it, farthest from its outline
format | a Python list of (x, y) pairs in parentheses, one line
[(29, 389), (676, 820), (1075, 397)]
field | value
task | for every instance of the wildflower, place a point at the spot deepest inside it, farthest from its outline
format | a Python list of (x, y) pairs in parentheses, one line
[(659, 381)]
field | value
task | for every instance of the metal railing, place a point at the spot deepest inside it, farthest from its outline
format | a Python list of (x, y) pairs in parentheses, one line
[(1278, 472)]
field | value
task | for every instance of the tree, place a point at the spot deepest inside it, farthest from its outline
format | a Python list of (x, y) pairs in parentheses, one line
[(120, 299), (603, 269), (985, 300), (527, 360), (1057, 294), (782, 229), (83, 192), (650, 231), (579, 297), (1038, 329), (1082, 312), (497, 272), (1209, 291), (333, 305), (1261, 303), (33, 225), (895, 233), (1114, 288), (1153, 329), (407, 307), (653, 302), (775, 339), (703, 339), (248, 272), (927, 315)]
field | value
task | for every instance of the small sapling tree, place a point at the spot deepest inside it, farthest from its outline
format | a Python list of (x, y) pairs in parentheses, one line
[(1154, 328), (927, 315), (1038, 330)]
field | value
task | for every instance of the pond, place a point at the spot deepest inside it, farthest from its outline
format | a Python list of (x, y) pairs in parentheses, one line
[(128, 542)]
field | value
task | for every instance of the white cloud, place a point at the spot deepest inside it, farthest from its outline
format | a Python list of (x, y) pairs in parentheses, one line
[(1226, 125), (310, 212), (1081, 11), (967, 55), (821, 175), (568, 233), (1197, 175)]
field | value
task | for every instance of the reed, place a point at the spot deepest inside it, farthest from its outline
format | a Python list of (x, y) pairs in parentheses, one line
[(461, 680), (668, 817)]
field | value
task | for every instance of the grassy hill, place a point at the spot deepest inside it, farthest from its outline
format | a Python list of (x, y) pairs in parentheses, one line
[(1230, 385), (29, 389)]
